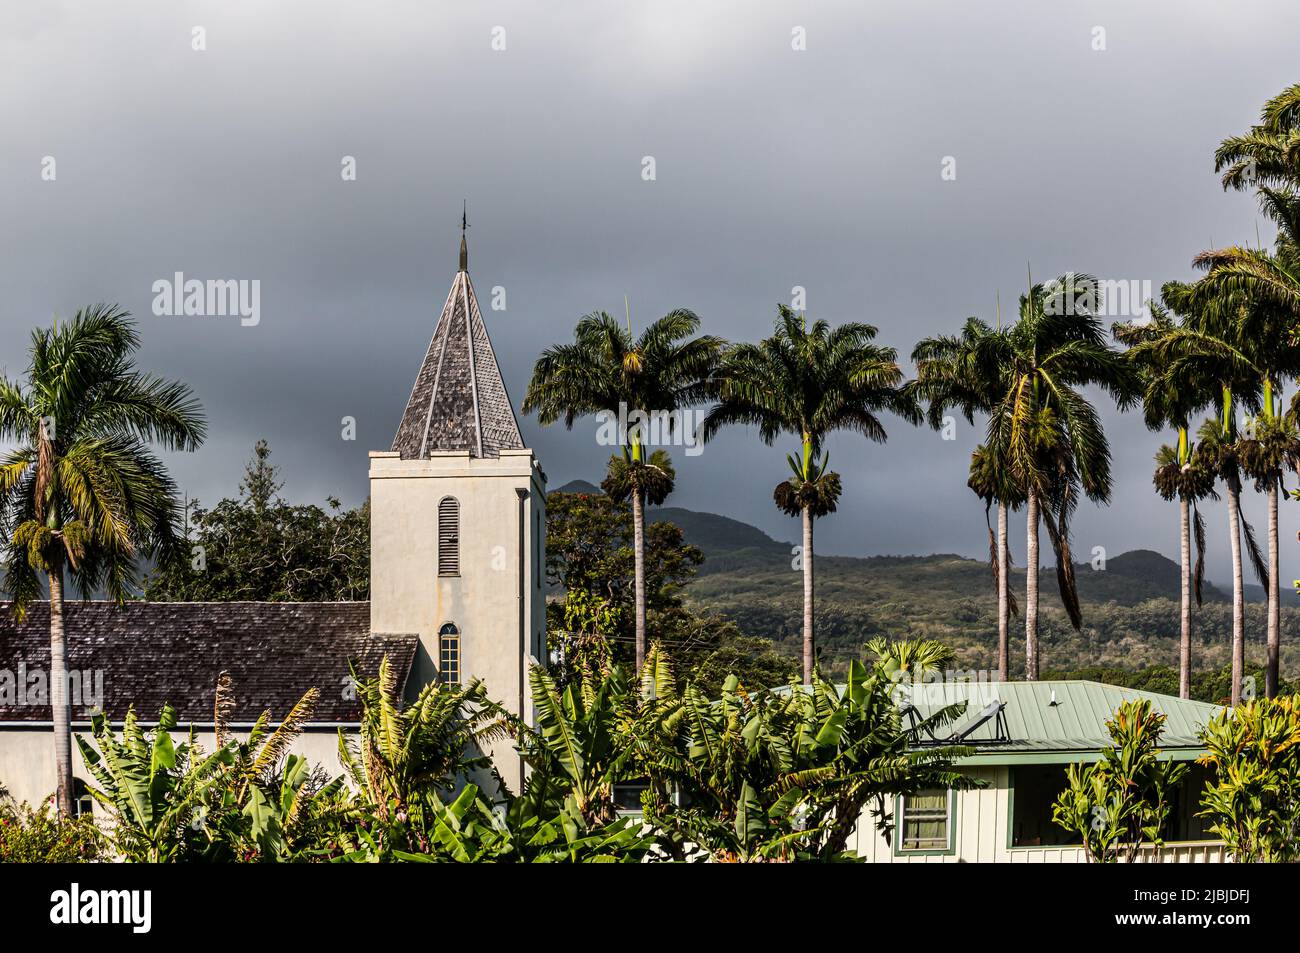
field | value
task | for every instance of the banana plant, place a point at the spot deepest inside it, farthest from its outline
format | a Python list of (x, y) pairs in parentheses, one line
[(403, 755), (157, 789)]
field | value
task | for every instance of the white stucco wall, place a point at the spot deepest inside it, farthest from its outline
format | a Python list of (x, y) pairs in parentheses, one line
[(484, 601)]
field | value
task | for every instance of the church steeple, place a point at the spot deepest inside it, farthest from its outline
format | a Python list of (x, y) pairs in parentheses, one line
[(459, 401)]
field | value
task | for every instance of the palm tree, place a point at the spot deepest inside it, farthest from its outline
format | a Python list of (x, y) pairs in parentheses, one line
[(993, 482), (1209, 347), (1247, 345), (1268, 153), (809, 381), (82, 493), (962, 372), (1181, 473), (1055, 444), (605, 371)]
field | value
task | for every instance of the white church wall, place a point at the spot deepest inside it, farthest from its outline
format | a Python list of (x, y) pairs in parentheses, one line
[(484, 600)]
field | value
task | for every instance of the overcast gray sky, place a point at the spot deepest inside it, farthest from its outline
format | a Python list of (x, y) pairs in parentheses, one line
[(774, 168)]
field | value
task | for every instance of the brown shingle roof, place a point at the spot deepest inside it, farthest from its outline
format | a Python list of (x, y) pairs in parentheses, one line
[(156, 652), (459, 401)]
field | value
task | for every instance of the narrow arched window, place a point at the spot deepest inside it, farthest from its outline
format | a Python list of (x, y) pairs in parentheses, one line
[(449, 655), (449, 537)]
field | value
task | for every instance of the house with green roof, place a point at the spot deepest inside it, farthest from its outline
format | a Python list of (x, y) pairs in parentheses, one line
[(1023, 735)]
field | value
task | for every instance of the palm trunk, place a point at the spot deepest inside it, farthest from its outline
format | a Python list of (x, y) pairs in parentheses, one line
[(1031, 588), (1274, 596), (638, 559), (1185, 636), (1238, 597), (807, 596), (60, 704), (1004, 602)]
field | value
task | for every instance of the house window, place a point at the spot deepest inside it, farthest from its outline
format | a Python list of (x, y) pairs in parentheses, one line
[(537, 548), (1034, 789), (925, 821), (449, 656), (83, 804), (449, 537)]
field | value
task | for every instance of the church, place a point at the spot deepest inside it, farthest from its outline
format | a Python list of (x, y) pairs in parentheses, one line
[(457, 591)]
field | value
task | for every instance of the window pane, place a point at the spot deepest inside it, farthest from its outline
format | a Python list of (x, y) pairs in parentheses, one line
[(924, 821)]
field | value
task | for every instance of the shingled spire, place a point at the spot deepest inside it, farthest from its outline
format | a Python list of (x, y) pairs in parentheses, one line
[(459, 401)]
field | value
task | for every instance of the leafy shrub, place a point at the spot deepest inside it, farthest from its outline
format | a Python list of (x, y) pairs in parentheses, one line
[(1254, 801), (1123, 799), (37, 836)]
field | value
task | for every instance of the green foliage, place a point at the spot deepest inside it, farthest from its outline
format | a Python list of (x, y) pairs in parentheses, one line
[(81, 488), (405, 755), (589, 550), (1121, 801), (157, 790), (260, 548), (39, 836), (786, 775), (1254, 800)]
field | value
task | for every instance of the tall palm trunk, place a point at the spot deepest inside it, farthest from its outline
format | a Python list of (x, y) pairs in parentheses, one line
[(1185, 636), (60, 704), (807, 596), (1004, 601), (638, 561), (1238, 595), (1031, 588), (1274, 596)]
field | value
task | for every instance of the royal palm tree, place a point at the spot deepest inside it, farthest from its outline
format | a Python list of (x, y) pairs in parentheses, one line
[(1208, 346), (1055, 444), (82, 494), (962, 372), (808, 381), (993, 482), (1268, 158), (1268, 153), (639, 383), (1181, 474)]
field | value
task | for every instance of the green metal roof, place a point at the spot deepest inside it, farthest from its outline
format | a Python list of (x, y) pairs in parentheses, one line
[(1058, 721)]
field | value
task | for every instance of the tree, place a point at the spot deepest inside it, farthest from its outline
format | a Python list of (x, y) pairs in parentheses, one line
[(1209, 348), (82, 494), (260, 548), (638, 385), (1253, 800), (1269, 152), (1181, 473), (809, 382), (1055, 444), (1121, 801), (1267, 157), (962, 372), (1266, 286), (589, 555)]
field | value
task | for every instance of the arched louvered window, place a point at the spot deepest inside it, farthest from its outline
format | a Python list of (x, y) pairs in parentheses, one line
[(449, 655), (449, 537)]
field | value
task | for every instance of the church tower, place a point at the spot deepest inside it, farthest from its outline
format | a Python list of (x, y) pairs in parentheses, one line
[(458, 521)]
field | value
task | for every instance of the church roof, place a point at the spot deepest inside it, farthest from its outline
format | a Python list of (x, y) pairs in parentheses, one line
[(459, 401), (151, 653)]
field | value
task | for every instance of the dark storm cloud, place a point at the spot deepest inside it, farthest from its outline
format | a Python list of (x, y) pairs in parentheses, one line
[(775, 168)]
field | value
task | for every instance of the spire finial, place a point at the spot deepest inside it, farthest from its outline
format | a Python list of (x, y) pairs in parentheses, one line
[(464, 249)]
